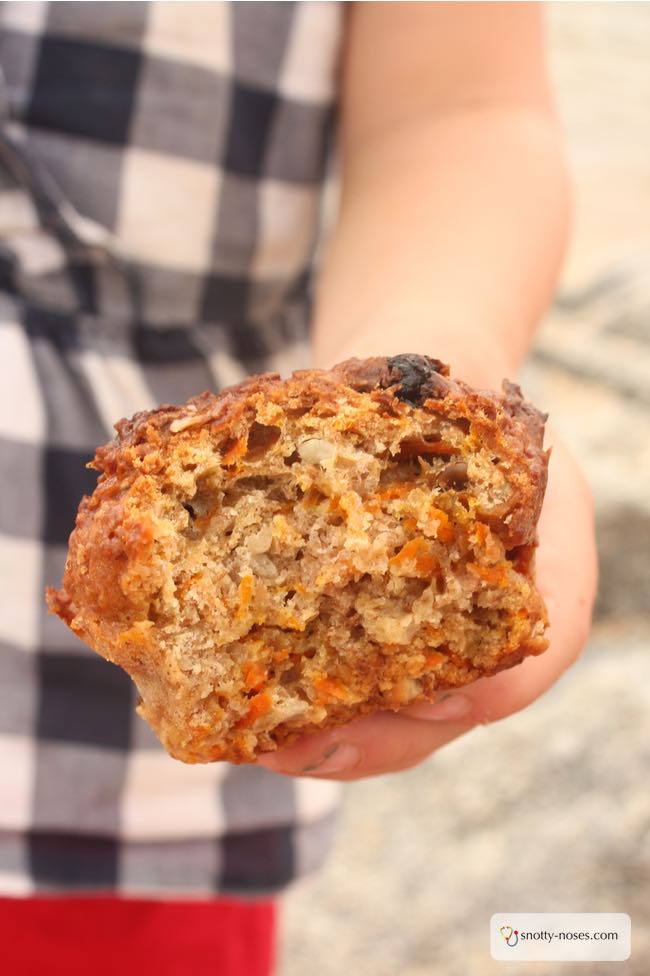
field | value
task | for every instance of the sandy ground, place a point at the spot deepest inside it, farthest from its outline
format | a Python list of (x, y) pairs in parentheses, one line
[(549, 811)]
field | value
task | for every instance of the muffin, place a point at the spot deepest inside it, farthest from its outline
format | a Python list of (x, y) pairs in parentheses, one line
[(289, 555)]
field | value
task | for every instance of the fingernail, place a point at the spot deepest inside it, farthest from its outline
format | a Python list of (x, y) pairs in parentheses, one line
[(448, 708), (339, 758)]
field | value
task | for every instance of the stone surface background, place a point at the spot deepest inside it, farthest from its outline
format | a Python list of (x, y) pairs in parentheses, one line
[(549, 811)]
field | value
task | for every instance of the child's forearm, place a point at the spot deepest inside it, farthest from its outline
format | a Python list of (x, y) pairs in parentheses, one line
[(449, 240)]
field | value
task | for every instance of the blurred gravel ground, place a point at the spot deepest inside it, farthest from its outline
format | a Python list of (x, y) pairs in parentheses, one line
[(545, 812), (550, 810)]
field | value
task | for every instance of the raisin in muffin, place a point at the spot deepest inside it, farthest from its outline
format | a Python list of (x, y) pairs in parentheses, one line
[(292, 554)]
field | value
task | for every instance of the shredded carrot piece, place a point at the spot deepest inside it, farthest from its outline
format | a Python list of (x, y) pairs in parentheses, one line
[(186, 584), (335, 504), (434, 658), (281, 655), (397, 491), (445, 531), (410, 524), (259, 706), (332, 687), (494, 575), (245, 594), (254, 676), (418, 551), (294, 624), (482, 532), (427, 565), (237, 450), (246, 589), (408, 551)]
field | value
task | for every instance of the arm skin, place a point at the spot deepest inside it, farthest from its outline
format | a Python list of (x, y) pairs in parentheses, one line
[(449, 239)]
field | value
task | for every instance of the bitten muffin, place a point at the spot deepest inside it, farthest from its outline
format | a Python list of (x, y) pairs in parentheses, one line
[(292, 554)]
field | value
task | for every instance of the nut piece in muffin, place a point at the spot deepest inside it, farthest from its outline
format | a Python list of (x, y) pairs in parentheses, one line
[(291, 554)]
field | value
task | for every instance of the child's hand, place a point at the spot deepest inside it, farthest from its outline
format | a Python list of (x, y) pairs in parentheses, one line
[(566, 574)]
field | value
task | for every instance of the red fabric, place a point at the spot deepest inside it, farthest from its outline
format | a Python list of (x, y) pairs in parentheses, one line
[(109, 936)]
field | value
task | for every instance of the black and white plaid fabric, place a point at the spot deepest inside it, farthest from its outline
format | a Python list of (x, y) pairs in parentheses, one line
[(161, 174)]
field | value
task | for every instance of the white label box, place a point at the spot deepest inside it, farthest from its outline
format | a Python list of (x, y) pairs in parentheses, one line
[(561, 936)]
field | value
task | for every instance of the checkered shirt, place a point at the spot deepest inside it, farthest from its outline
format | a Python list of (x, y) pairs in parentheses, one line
[(162, 168)]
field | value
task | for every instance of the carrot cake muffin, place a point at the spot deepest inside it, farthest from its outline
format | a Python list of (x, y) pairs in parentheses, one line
[(288, 555)]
